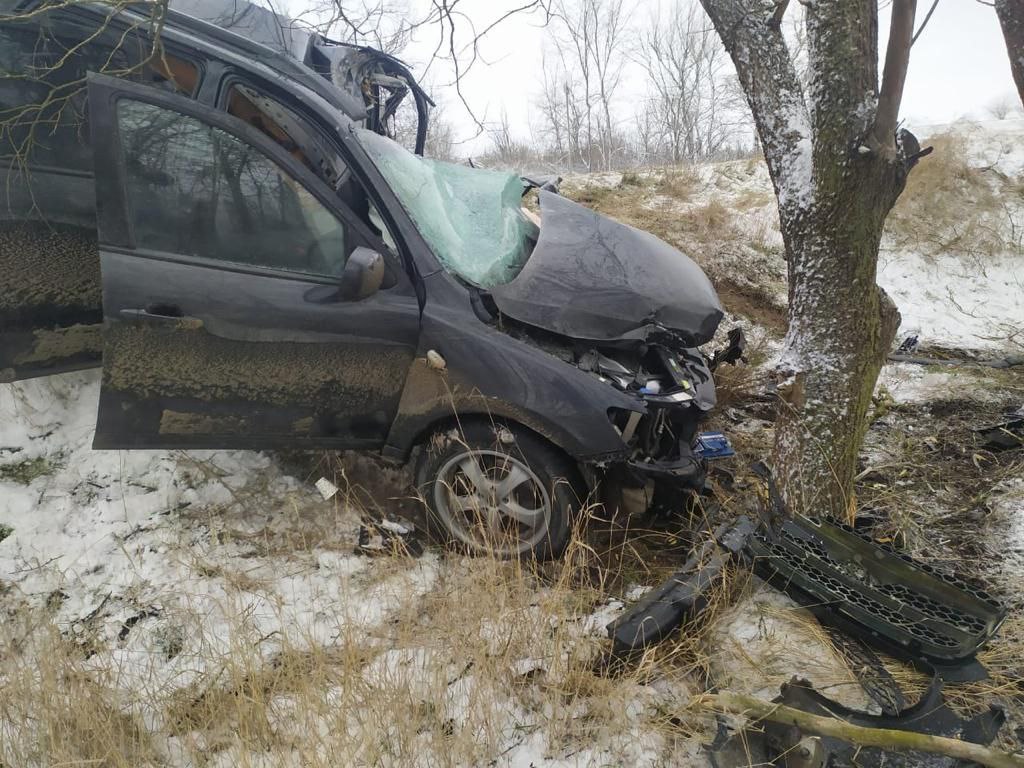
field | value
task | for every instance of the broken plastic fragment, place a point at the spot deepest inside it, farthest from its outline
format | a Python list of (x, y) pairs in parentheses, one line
[(435, 361), (327, 489), (398, 526)]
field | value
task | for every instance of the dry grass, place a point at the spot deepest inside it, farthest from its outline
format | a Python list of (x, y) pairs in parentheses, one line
[(952, 207), (53, 712), (495, 653), (491, 657), (678, 183)]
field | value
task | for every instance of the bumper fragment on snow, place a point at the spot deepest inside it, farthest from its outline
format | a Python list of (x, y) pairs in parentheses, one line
[(932, 619), (682, 596)]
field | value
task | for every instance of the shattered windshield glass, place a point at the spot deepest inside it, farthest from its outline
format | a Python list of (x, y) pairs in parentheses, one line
[(471, 218)]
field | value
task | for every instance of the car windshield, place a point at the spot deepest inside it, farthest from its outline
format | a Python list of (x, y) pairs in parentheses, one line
[(471, 218)]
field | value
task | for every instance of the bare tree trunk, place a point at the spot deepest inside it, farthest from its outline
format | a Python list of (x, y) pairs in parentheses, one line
[(837, 170), (1011, 18)]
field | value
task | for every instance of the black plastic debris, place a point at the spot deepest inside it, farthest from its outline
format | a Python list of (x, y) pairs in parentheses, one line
[(851, 583), (908, 345), (786, 745), (389, 537), (930, 618), (1006, 435), (680, 598), (933, 619)]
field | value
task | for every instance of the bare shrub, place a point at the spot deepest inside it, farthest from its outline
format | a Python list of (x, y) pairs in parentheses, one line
[(1001, 107)]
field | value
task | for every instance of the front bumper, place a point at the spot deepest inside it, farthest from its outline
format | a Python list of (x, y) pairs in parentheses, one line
[(689, 469)]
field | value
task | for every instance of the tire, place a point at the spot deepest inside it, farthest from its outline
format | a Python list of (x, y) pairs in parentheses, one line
[(533, 520)]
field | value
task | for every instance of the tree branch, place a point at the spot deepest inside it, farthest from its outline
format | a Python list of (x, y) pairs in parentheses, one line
[(927, 18), (894, 74), (766, 73), (780, 12), (884, 738)]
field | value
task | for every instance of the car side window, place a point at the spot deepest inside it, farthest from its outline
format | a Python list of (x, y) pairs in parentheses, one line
[(285, 127), (196, 190), (42, 92)]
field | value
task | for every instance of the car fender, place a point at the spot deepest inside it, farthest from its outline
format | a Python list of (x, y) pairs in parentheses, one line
[(467, 368)]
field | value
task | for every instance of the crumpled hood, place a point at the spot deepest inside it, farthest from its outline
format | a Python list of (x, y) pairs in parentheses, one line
[(590, 277)]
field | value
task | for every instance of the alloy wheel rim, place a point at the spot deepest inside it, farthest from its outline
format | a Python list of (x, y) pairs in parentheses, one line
[(493, 502)]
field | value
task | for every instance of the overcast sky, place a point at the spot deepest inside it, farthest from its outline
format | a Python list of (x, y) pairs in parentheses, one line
[(959, 65)]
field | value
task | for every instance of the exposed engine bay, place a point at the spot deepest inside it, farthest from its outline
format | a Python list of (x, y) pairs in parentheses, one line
[(675, 384), (678, 389)]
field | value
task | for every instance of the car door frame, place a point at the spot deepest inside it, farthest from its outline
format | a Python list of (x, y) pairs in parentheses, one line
[(113, 209)]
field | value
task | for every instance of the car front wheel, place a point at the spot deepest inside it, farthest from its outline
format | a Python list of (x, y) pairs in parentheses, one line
[(499, 490)]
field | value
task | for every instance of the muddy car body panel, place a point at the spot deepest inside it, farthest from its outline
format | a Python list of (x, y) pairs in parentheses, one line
[(225, 332), (495, 376)]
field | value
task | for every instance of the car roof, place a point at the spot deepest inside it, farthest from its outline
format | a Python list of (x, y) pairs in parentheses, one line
[(196, 22)]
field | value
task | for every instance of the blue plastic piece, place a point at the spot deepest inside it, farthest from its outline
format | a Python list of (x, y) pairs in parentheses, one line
[(714, 445)]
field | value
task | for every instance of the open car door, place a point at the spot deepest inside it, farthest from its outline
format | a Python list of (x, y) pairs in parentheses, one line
[(245, 305)]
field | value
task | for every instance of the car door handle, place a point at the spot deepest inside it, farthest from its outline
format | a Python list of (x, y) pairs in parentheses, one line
[(163, 315)]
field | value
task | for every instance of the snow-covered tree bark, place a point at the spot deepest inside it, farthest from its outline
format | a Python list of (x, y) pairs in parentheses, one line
[(1011, 18), (838, 167)]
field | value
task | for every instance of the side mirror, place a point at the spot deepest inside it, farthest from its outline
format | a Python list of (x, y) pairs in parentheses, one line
[(363, 275)]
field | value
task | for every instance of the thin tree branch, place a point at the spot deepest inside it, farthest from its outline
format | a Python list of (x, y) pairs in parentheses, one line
[(894, 74), (884, 738), (769, 81), (927, 18)]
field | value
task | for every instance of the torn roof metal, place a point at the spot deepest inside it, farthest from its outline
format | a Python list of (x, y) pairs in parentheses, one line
[(372, 83)]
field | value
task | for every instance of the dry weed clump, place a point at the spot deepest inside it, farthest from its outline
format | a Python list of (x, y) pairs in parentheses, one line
[(951, 207), (53, 711), (678, 183)]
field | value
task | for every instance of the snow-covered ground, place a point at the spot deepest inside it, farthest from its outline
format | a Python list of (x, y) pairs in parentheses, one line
[(949, 302), (167, 574)]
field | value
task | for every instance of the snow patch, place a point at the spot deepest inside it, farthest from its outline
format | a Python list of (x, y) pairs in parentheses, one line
[(767, 639), (917, 384), (954, 303)]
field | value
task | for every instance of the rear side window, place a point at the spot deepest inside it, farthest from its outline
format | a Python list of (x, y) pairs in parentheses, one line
[(196, 190), (42, 98), (43, 110)]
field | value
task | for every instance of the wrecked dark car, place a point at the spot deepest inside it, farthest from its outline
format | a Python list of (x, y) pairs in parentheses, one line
[(274, 272)]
